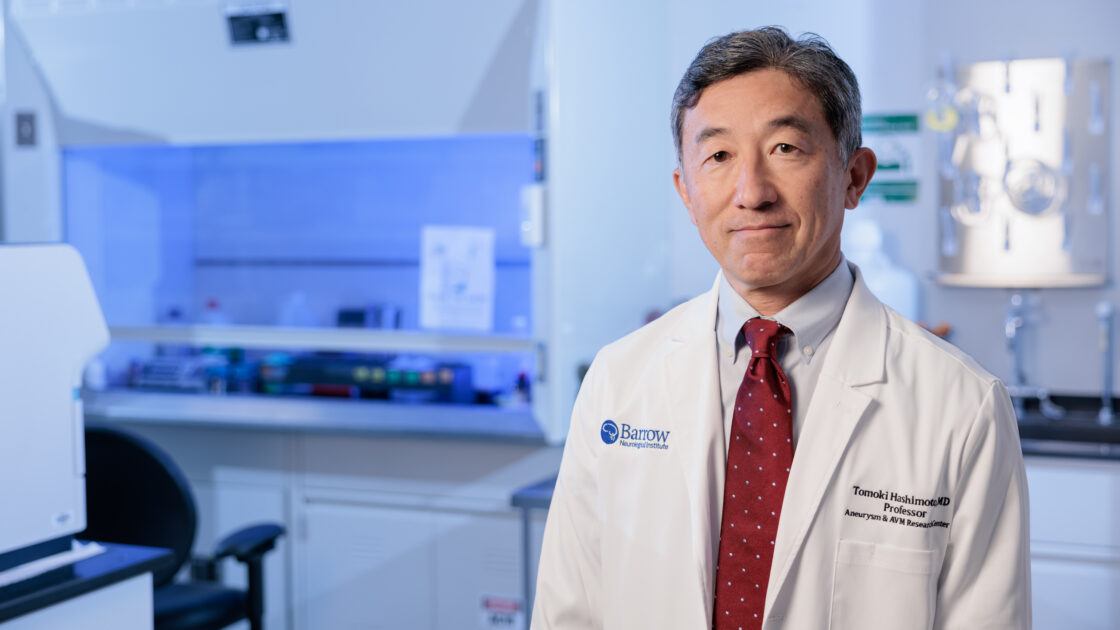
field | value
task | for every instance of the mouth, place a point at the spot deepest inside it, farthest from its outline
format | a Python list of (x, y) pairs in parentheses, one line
[(760, 229)]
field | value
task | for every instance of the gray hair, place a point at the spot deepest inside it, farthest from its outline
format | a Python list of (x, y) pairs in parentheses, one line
[(809, 61)]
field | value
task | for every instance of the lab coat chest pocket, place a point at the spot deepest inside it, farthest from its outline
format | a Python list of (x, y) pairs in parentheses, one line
[(882, 586)]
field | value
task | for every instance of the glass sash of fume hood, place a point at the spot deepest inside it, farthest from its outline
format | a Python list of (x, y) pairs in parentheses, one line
[(220, 265)]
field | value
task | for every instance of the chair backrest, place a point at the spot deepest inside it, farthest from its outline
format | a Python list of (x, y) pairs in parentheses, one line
[(135, 494)]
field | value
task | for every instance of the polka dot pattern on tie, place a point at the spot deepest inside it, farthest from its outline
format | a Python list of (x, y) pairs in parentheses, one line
[(740, 600)]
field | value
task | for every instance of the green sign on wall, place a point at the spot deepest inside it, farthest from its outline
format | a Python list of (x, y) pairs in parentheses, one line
[(892, 192), (897, 145), (890, 123)]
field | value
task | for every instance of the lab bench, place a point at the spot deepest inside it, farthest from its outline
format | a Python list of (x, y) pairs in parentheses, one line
[(1073, 472), (113, 588), (1077, 434)]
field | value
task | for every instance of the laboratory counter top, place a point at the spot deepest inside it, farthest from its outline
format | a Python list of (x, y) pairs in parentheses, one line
[(116, 563), (1073, 430), (1077, 433), (316, 415), (1070, 450)]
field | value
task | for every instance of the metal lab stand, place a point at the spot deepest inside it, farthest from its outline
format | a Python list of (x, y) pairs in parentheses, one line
[(535, 497)]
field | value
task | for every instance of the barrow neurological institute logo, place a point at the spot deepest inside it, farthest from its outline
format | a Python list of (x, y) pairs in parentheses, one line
[(633, 437), (609, 432)]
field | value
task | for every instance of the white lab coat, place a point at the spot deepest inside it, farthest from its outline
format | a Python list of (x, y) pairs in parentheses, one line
[(632, 533)]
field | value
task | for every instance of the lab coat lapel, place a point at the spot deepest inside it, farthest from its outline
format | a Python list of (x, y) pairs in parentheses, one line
[(692, 382), (855, 358)]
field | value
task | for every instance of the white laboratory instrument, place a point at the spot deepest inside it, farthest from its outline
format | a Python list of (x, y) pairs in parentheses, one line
[(1023, 147), (50, 326)]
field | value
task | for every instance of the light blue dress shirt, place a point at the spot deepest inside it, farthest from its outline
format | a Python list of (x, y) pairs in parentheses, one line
[(812, 318)]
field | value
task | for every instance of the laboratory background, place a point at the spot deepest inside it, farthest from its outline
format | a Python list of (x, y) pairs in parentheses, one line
[(297, 295)]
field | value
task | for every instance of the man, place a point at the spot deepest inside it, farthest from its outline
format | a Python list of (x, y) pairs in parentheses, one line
[(783, 451)]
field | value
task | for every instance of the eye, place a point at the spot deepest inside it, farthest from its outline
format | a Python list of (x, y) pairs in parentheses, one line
[(785, 148), (720, 156)]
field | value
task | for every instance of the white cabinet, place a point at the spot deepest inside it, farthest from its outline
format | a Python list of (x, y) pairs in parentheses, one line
[(383, 566), (366, 566), (1075, 502), (458, 565), (1075, 542), (1075, 593), (478, 571)]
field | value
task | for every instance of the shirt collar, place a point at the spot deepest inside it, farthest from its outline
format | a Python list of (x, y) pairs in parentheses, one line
[(811, 317)]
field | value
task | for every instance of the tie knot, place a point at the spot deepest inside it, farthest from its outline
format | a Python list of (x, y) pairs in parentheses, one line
[(762, 336)]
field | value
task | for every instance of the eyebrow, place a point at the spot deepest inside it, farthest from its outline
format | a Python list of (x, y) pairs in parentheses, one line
[(710, 132), (791, 121)]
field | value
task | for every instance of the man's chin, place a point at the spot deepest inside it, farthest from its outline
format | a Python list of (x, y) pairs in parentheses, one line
[(754, 278)]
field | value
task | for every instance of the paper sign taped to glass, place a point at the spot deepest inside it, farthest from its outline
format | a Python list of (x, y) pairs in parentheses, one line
[(457, 278)]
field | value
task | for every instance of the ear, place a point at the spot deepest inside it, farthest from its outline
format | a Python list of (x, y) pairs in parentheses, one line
[(861, 167), (682, 190)]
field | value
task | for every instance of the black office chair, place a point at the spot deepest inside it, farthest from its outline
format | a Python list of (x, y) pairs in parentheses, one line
[(135, 494)]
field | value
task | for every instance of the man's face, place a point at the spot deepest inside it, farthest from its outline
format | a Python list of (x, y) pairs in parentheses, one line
[(762, 179)]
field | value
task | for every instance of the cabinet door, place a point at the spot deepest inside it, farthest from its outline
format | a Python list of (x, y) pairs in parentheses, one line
[(367, 567), (1075, 543), (1075, 594), (478, 571), (1074, 502)]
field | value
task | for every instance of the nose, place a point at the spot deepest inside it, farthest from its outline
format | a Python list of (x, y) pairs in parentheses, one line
[(753, 188)]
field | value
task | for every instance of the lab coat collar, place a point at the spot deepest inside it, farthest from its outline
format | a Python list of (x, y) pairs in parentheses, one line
[(855, 359), (861, 359)]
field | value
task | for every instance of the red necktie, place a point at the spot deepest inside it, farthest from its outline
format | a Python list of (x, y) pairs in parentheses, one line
[(758, 463)]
